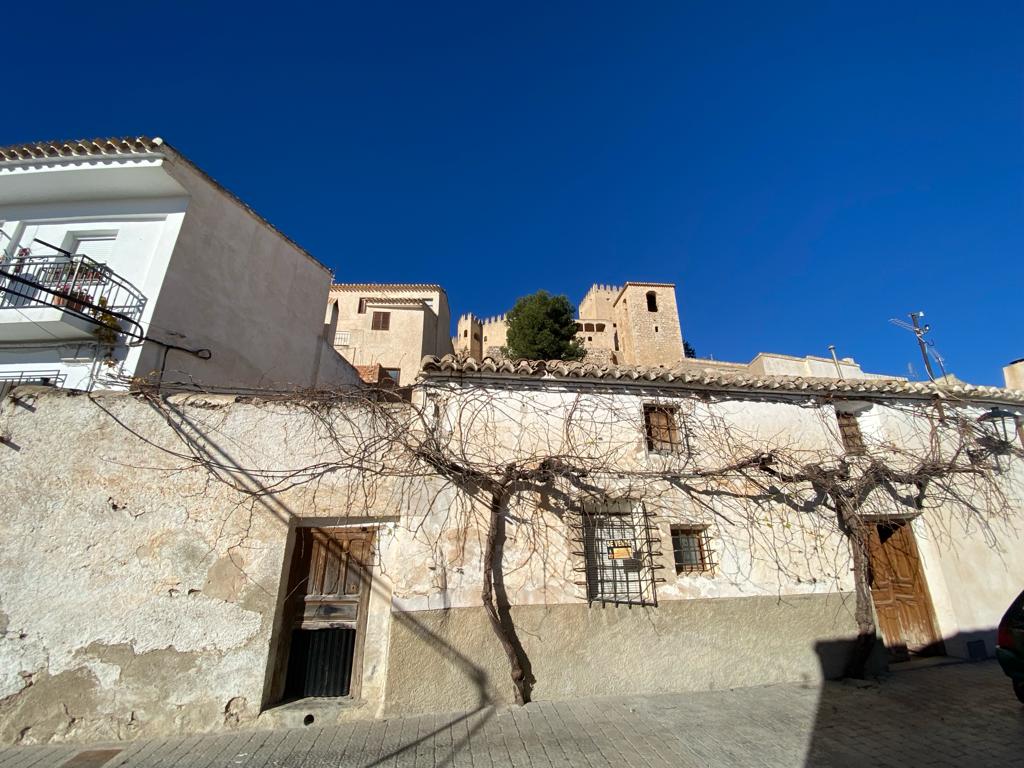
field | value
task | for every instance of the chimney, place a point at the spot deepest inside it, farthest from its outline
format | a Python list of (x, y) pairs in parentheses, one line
[(1014, 374)]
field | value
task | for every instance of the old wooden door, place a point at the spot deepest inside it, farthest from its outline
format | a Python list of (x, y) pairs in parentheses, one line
[(899, 591), (329, 592)]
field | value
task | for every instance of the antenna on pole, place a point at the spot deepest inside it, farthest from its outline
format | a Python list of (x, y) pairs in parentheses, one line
[(919, 331)]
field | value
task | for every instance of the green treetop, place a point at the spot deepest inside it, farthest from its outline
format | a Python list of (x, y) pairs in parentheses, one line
[(543, 327)]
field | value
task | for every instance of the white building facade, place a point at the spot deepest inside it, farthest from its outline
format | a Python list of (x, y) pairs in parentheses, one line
[(122, 261)]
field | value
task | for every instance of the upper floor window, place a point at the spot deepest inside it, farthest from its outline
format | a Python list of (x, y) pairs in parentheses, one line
[(652, 301), (342, 339), (362, 307), (98, 247), (661, 429), (849, 433), (381, 321)]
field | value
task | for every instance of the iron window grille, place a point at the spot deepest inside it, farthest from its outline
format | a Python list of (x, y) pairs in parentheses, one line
[(619, 552), (381, 321), (342, 338), (691, 549), (661, 429), (850, 434)]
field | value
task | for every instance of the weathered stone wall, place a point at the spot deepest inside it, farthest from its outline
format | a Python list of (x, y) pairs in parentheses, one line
[(649, 337)]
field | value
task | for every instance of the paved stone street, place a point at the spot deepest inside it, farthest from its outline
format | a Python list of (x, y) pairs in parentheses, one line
[(962, 715)]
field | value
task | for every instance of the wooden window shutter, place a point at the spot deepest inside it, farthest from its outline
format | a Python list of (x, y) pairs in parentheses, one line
[(662, 432), (381, 321)]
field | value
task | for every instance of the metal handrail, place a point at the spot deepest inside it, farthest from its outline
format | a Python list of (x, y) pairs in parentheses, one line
[(76, 282)]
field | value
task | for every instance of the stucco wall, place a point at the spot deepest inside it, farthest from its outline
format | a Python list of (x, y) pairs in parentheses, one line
[(143, 547), (450, 658), (139, 594), (239, 288)]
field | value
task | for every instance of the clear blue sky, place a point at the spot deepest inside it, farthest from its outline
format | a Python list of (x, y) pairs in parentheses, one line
[(802, 171)]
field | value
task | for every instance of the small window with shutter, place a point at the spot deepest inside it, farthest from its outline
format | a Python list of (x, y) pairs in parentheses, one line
[(662, 431), (381, 321)]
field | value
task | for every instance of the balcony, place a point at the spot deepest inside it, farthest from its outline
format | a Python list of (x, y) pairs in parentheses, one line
[(66, 298)]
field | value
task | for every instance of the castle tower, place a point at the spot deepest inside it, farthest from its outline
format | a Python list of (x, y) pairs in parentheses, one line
[(647, 320), (469, 336), (598, 303)]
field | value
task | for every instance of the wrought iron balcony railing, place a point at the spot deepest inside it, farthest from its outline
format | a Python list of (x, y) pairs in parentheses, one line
[(75, 283)]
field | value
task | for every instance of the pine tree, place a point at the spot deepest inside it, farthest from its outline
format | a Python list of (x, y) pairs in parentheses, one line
[(543, 327)]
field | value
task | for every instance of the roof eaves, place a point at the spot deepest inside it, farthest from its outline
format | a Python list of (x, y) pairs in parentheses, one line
[(132, 146), (688, 378)]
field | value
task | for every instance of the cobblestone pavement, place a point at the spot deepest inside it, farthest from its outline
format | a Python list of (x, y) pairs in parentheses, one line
[(963, 715)]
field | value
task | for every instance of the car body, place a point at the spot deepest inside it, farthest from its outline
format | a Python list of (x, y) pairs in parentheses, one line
[(1010, 644)]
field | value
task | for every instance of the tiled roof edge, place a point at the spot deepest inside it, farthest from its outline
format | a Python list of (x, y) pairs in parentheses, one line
[(450, 365), (126, 146)]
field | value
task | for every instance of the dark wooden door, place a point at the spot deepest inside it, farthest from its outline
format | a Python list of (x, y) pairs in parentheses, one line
[(899, 591), (329, 592)]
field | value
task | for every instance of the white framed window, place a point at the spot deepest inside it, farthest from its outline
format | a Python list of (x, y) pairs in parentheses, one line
[(97, 246), (343, 339)]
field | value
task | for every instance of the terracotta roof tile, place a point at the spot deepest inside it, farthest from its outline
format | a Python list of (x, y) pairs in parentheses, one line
[(42, 150), (688, 377)]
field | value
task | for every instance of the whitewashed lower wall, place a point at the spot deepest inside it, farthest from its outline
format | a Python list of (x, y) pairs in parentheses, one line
[(140, 592)]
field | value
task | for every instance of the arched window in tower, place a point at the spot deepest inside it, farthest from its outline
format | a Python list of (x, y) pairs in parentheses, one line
[(652, 301)]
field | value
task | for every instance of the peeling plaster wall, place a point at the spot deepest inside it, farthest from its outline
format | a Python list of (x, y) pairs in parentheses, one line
[(137, 595)]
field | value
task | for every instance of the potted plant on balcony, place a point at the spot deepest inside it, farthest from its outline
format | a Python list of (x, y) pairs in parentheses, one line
[(59, 300), (109, 328), (78, 299)]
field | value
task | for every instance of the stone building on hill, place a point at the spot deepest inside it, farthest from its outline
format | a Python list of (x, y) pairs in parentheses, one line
[(393, 325), (633, 324)]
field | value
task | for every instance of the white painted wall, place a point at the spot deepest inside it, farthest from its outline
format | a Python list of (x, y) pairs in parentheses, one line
[(216, 276)]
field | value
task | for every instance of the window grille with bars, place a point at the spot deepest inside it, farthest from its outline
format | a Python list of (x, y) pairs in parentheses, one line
[(691, 549), (342, 338), (661, 429), (849, 433), (618, 548), (381, 321)]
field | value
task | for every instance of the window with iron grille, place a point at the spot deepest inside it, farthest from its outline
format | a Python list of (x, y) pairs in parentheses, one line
[(618, 547), (849, 433), (381, 321), (342, 339), (691, 549), (661, 429)]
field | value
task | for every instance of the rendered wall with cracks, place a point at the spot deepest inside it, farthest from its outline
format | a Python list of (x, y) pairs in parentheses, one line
[(137, 595)]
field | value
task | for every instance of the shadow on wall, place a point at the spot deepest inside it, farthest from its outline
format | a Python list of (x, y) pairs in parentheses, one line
[(477, 679), (863, 722)]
